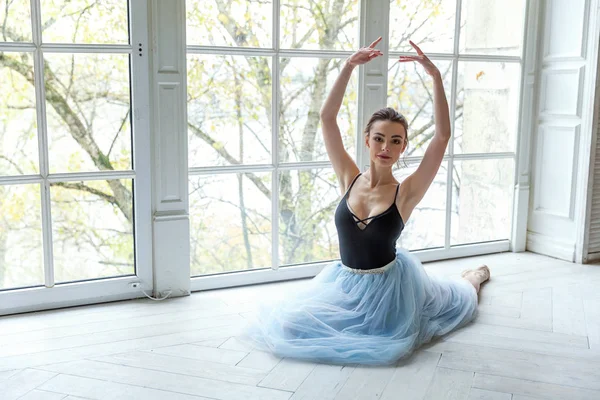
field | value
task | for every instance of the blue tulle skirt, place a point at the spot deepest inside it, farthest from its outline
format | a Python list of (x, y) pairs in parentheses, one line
[(343, 316)]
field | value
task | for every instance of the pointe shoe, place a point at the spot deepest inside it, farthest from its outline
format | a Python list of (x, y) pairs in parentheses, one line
[(482, 272)]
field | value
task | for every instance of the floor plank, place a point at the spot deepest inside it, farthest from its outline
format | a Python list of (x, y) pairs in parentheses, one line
[(187, 366), (211, 342), (323, 383), (503, 311), (78, 353), (117, 335), (288, 375), (567, 310), (42, 395), (537, 308), (7, 374), (166, 381), (149, 320), (561, 339), (89, 388), (116, 312), (523, 365), (450, 384), (23, 382), (234, 343), (412, 376), (259, 360), (522, 387), (366, 383), (202, 353), (481, 394), (530, 346)]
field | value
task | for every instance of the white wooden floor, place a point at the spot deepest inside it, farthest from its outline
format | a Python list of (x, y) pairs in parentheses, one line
[(537, 336)]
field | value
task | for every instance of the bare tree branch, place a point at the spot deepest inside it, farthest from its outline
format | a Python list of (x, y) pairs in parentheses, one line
[(118, 132), (232, 160), (14, 164), (83, 188)]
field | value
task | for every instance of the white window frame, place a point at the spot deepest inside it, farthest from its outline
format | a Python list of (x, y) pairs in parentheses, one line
[(53, 295)]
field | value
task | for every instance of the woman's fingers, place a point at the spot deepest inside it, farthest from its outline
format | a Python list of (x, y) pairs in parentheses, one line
[(372, 45), (419, 51), (409, 58)]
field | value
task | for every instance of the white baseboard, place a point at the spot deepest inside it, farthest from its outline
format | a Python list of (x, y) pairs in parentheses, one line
[(69, 295), (551, 246)]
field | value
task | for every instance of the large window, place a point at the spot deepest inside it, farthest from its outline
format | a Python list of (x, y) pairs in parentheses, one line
[(262, 192), (477, 46), (67, 176)]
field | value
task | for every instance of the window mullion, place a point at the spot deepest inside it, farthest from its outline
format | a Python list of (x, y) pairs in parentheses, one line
[(42, 131), (139, 49), (372, 77), (275, 94), (454, 95)]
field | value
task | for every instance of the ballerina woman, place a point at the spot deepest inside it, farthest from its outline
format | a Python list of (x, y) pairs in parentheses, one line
[(377, 304)]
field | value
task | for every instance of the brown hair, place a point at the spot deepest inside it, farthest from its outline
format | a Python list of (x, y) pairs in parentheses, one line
[(388, 114)]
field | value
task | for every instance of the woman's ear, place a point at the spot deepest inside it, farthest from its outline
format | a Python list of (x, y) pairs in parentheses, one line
[(367, 141)]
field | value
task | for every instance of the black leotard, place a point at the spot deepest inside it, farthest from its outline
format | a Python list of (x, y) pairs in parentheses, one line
[(374, 245)]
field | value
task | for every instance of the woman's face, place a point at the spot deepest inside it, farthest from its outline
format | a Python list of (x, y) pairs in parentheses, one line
[(386, 142)]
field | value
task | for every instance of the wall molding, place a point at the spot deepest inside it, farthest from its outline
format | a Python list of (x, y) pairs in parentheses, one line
[(578, 52), (556, 72), (551, 246), (573, 151)]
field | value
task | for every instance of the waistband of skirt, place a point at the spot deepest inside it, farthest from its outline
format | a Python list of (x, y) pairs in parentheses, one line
[(380, 270)]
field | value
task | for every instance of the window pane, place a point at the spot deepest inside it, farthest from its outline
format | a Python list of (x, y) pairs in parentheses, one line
[(410, 91), (321, 24), (21, 252), (426, 226), (92, 229), (492, 27), (229, 23), (430, 24), (18, 123), (230, 222), (307, 203), (16, 21), (487, 107), (482, 200), (305, 83), (88, 108), (85, 21), (229, 110)]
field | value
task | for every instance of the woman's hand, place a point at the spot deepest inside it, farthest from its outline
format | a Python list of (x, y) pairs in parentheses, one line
[(422, 59), (365, 54)]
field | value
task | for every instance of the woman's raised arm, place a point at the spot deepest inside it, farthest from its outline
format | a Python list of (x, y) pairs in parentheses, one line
[(416, 185), (345, 168)]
